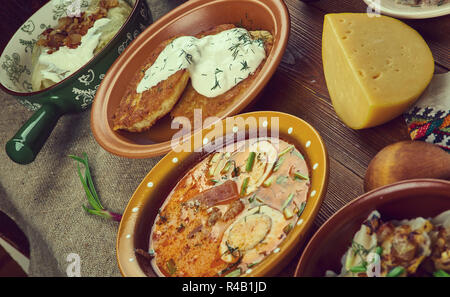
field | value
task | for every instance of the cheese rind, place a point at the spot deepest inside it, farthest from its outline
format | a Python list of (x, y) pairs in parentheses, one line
[(375, 67)]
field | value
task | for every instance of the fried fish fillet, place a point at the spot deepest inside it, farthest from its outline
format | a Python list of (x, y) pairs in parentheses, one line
[(192, 100)]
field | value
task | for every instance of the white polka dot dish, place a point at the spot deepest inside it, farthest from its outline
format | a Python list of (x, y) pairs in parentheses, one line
[(147, 203)]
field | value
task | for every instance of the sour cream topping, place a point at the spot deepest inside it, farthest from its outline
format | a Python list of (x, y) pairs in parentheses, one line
[(216, 63), (65, 61)]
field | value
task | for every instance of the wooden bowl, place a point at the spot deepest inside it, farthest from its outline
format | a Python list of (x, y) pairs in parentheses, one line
[(141, 211), (190, 18), (402, 200)]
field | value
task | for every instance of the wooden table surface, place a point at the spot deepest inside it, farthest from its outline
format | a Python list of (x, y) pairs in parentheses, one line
[(298, 87)]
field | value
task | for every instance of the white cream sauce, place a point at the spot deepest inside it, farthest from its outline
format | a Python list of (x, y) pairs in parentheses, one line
[(65, 61), (216, 63)]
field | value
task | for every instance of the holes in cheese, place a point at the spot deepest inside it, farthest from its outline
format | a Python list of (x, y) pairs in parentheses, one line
[(377, 71)]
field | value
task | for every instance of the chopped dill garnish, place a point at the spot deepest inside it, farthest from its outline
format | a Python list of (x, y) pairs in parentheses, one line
[(235, 49), (236, 79), (244, 66), (165, 62), (216, 84), (187, 56)]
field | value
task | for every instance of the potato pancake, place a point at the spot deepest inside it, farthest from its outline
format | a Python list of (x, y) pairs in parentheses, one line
[(139, 110)]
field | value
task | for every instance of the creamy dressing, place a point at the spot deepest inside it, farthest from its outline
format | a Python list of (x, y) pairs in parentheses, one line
[(216, 63), (65, 61)]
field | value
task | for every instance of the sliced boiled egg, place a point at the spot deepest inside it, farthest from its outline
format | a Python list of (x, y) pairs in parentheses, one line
[(254, 233)]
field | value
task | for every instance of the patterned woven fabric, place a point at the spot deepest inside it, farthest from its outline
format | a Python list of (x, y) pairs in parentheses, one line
[(429, 125), (429, 119)]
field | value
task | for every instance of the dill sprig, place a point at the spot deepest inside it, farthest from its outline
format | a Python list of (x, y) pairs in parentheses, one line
[(244, 66), (216, 83), (187, 56), (235, 49)]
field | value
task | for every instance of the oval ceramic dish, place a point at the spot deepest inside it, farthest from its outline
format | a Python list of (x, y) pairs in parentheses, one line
[(402, 200), (190, 18), (389, 7), (140, 213), (73, 94)]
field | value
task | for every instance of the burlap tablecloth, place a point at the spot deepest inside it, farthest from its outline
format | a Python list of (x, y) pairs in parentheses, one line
[(45, 198)]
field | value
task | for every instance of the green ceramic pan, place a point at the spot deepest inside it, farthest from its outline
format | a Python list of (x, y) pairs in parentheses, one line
[(75, 93)]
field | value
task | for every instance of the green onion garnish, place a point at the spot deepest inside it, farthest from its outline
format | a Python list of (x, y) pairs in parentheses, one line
[(299, 175), (286, 150), (288, 200), (91, 193), (358, 268), (441, 273), (298, 154), (253, 264), (234, 273), (250, 161), (379, 250), (244, 186), (302, 208), (227, 167), (396, 271), (278, 163)]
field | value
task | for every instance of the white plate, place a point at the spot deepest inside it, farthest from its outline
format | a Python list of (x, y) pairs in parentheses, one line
[(389, 7)]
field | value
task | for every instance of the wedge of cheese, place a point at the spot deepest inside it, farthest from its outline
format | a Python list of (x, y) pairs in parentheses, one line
[(375, 67)]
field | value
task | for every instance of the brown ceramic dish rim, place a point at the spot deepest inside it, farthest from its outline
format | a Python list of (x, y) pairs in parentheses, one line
[(110, 141), (315, 152), (381, 194), (81, 69)]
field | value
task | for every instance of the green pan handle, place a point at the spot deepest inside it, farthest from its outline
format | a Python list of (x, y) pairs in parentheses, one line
[(28, 141)]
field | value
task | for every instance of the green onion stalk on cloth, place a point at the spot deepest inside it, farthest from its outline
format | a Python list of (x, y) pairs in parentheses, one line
[(92, 196)]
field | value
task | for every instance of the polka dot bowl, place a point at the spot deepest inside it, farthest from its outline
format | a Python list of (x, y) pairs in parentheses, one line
[(142, 209)]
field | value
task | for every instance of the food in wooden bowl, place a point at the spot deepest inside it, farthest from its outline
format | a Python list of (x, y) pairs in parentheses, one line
[(161, 80), (410, 247), (236, 207), (398, 204), (375, 67)]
